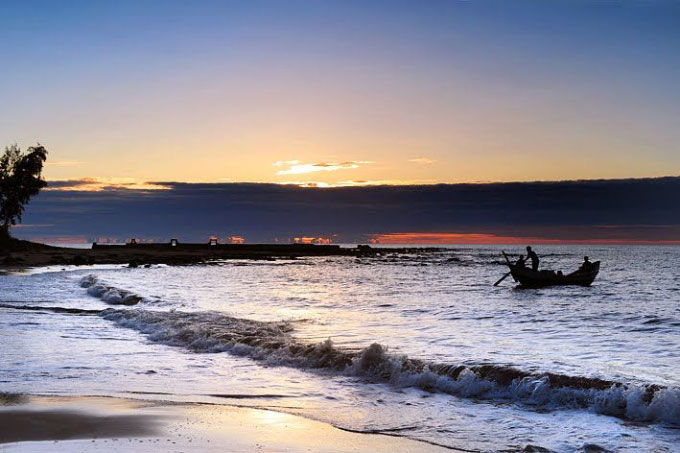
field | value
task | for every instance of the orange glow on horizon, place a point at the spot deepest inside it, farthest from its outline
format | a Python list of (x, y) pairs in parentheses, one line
[(491, 239), (312, 240), (58, 240)]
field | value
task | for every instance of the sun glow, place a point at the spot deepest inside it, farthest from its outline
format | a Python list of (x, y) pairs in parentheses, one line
[(482, 238), (100, 184), (296, 167), (359, 183), (312, 240)]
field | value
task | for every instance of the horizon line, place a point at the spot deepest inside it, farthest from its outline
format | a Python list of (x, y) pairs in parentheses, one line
[(98, 184), (417, 239)]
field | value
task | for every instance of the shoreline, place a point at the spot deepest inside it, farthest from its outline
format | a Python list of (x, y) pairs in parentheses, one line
[(17, 253), (107, 423)]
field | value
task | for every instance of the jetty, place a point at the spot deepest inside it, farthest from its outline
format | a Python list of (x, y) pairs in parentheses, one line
[(18, 253)]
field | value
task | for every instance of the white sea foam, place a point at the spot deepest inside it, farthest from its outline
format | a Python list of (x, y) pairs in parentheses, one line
[(88, 281), (97, 290), (108, 294), (273, 343)]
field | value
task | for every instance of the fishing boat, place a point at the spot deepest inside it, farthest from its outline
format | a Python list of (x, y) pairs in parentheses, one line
[(536, 279)]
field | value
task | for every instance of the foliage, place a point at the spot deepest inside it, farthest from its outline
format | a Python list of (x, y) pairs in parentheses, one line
[(20, 179)]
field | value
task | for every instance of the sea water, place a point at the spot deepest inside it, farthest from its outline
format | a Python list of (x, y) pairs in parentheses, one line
[(416, 344)]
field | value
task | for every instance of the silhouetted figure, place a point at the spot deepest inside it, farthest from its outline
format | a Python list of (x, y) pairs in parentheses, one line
[(533, 257), (586, 264), (521, 262)]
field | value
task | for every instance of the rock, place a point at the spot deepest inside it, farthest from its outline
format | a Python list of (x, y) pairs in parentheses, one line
[(78, 260)]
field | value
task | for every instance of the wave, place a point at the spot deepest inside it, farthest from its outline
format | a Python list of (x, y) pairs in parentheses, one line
[(272, 343), (109, 294)]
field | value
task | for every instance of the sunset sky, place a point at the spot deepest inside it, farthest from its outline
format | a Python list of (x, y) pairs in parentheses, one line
[(343, 92), (155, 114)]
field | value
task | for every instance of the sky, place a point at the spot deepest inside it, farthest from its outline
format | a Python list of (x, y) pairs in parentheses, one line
[(260, 118), (606, 211), (334, 93)]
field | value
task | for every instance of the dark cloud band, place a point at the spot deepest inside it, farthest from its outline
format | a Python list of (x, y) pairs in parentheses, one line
[(642, 209)]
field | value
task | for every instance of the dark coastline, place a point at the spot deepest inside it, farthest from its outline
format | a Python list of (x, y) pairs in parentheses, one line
[(17, 253)]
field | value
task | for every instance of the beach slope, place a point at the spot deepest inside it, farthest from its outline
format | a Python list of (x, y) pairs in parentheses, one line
[(104, 424)]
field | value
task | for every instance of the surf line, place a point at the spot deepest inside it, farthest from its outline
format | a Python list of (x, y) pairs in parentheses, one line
[(70, 311)]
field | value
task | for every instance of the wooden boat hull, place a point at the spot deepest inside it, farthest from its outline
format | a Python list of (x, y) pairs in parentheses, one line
[(537, 279)]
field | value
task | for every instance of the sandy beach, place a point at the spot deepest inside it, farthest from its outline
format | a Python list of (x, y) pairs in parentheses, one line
[(242, 355), (49, 423)]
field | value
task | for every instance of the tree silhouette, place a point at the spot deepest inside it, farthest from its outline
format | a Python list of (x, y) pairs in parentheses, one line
[(20, 179)]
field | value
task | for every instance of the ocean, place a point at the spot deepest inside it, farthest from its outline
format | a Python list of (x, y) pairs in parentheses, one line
[(418, 344)]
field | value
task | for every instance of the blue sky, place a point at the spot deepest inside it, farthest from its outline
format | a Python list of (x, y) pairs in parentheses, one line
[(407, 92)]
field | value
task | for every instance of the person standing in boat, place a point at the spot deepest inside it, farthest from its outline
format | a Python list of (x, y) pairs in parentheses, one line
[(586, 264), (533, 257)]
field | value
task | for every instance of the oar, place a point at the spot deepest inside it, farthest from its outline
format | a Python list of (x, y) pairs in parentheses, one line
[(501, 279), (506, 275)]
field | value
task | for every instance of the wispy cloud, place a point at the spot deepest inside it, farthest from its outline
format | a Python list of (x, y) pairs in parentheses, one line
[(295, 167), (32, 225), (422, 160), (64, 163), (282, 163)]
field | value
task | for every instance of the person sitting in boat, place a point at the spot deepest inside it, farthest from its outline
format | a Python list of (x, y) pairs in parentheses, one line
[(586, 264), (533, 257), (521, 262)]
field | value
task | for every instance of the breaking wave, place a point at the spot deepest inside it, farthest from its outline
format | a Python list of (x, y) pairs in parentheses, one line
[(272, 343), (108, 294)]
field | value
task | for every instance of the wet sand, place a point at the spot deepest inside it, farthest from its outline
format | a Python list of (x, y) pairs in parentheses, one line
[(42, 423)]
